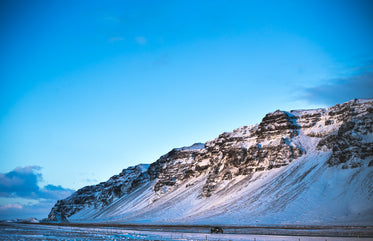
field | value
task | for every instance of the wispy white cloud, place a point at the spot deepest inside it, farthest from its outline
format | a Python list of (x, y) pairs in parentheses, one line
[(141, 40), (161, 60), (10, 207), (39, 210), (112, 19), (115, 39), (89, 180)]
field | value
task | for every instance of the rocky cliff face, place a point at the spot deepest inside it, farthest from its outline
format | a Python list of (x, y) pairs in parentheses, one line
[(344, 131), (97, 196), (351, 144)]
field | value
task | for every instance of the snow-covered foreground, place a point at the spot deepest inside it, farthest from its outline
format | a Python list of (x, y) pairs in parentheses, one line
[(17, 231)]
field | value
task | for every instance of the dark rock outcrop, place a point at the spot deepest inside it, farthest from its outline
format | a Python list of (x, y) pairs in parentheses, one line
[(97, 196)]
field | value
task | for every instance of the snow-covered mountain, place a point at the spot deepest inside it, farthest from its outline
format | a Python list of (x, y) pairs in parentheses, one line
[(20, 220), (297, 167)]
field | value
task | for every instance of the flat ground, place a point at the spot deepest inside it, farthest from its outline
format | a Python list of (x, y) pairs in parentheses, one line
[(19, 231)]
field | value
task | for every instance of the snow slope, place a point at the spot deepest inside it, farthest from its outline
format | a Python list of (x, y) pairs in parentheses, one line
[(18, 231), (298, 167)]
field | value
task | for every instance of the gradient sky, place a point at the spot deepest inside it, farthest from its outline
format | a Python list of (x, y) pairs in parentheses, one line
[(88, 88)]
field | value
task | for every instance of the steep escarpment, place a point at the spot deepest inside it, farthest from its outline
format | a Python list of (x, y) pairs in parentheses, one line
[(267, 171), (97, 196), (351, 144)]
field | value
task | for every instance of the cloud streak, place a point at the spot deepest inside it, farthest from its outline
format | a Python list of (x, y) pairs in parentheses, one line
[(15, 210), (115, 39), (23, 182), (141, 40), (10, 207), (341, 90)]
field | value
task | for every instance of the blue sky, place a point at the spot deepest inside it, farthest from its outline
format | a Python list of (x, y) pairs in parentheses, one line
[(88, 88)]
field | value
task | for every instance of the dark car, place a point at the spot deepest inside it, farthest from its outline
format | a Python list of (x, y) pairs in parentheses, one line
[(216, 230)]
